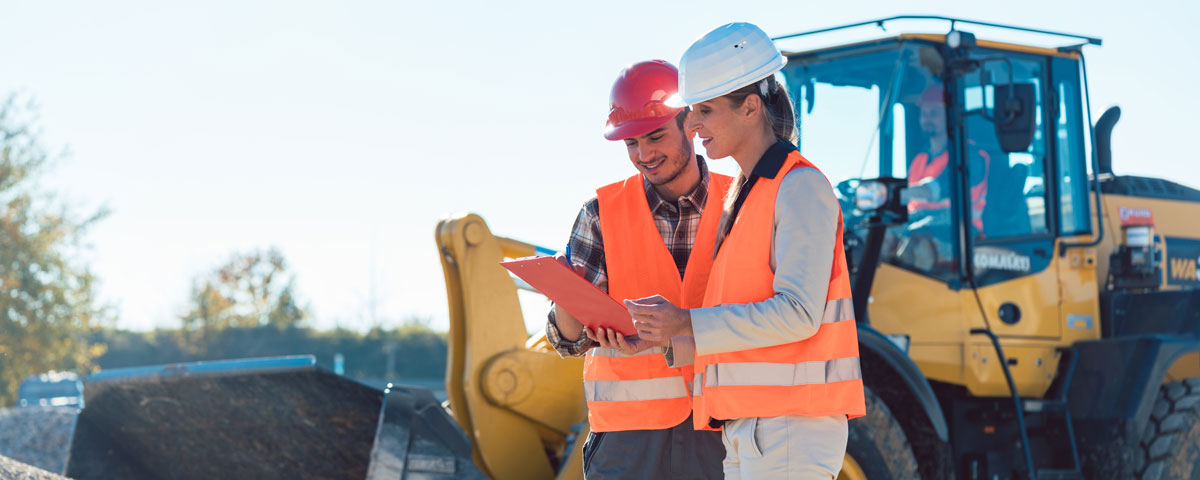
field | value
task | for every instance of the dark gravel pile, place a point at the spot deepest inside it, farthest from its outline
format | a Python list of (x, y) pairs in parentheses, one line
[(13, 470), (38, 436)]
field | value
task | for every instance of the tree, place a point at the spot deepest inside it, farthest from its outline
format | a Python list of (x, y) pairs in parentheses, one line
[(48, 305), (251, 290)]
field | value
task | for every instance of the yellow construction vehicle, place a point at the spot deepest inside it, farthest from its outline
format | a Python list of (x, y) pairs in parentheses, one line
[(1019, 316), (519, 402)]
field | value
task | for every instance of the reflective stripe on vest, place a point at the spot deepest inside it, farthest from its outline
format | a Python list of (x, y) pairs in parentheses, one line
[(635, 390), (639, 392), (817, 376), (781, 374), (612, 352)]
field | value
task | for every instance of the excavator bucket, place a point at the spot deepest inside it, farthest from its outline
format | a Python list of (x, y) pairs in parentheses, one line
[(261, 418)]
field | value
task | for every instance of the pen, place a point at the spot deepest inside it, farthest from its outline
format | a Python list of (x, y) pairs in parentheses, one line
[(568, 253)]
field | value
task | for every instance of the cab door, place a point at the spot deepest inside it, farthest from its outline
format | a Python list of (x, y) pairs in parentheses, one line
[(1008, 226), (1079, 312)]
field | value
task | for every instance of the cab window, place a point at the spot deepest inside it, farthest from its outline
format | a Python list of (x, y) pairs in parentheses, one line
[(881, 111), (1074, 211), (1007, 191)]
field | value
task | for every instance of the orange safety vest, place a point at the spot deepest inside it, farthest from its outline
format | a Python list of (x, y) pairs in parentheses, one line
[(817, 376), (639, 392), (922, 168)]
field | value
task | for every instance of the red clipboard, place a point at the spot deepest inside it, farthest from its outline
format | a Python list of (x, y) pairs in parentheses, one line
[(588, 304)]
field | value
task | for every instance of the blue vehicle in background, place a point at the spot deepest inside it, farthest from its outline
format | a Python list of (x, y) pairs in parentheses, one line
[(51, 389)]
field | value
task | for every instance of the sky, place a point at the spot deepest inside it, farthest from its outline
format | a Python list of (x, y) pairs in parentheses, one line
[(341, 132)]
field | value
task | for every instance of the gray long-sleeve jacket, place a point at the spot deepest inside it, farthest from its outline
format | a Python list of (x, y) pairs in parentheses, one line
[(806, 217)]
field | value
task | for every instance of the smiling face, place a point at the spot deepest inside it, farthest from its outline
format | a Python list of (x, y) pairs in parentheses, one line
[(720, 125), (663, 155)]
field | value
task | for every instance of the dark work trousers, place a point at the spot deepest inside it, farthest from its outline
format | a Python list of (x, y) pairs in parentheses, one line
[(676, 452)]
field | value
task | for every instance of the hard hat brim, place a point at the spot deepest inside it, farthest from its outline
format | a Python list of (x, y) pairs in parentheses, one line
[(634, 128)]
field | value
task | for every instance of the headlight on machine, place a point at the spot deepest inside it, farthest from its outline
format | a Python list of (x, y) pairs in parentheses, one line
[(870, 195), (1140, 236), (1140, 241)]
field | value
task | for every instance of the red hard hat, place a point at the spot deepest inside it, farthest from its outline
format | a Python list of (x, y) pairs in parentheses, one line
[(636, 106)]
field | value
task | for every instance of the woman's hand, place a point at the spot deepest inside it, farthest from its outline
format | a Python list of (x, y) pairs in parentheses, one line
[(609, 338), (657, 319)]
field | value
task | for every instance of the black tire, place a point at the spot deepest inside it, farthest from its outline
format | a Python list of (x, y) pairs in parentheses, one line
[(1169, 448), (878, 445)]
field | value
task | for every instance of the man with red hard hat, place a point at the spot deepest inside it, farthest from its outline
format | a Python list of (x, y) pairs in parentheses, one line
[(652, 233)]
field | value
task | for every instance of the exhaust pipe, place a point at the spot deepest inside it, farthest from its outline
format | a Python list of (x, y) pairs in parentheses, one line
[(1104, 128)]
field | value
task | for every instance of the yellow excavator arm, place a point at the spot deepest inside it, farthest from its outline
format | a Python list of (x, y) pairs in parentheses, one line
[(519, 402)]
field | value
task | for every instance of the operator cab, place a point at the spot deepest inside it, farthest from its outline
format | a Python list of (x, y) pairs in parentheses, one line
[(988, 138), (960, 168), (977, 244)]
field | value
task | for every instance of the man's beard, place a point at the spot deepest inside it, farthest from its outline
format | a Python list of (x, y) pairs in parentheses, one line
[(686, 154)]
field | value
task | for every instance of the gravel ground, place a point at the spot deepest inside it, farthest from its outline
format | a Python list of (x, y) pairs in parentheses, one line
[(13, 470), (38, 436)]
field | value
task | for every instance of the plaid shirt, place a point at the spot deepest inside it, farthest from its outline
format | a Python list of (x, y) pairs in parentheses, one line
[(677, 222)]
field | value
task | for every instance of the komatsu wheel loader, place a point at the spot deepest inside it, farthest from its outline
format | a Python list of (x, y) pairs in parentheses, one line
[(1024, 312), (1020, 316)]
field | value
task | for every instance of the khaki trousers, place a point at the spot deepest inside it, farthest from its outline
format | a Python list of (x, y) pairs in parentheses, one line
[(791, 447)]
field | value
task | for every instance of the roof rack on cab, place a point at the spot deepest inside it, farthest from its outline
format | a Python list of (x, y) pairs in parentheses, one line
[(953, 21)]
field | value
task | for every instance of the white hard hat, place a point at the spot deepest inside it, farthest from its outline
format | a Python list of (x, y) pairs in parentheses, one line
[(723, 60)]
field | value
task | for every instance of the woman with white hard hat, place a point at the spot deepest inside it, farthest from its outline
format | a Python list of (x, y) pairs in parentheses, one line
[(775, 345)]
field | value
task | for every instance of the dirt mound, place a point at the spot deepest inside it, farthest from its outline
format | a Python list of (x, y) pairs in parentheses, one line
[(13, 470), (37, 436)]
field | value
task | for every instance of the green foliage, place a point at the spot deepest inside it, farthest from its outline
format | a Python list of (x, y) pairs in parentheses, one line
[(247, 308), (251, 290), (48, 306)]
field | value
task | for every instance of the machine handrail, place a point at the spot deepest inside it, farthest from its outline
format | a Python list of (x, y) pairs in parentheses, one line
[(952, 20)]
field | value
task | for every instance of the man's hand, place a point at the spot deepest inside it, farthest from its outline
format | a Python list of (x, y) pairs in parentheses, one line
[(926, 190), (609, 338), (580, 269), (657, 319)]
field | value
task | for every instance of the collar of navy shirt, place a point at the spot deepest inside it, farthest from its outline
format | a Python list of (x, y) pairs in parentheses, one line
[(767, 167)]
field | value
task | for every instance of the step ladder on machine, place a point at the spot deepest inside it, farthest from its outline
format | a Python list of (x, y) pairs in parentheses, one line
[(1055, 405)]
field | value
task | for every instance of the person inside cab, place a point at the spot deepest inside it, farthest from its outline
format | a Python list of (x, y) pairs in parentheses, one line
[(929, 172)]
